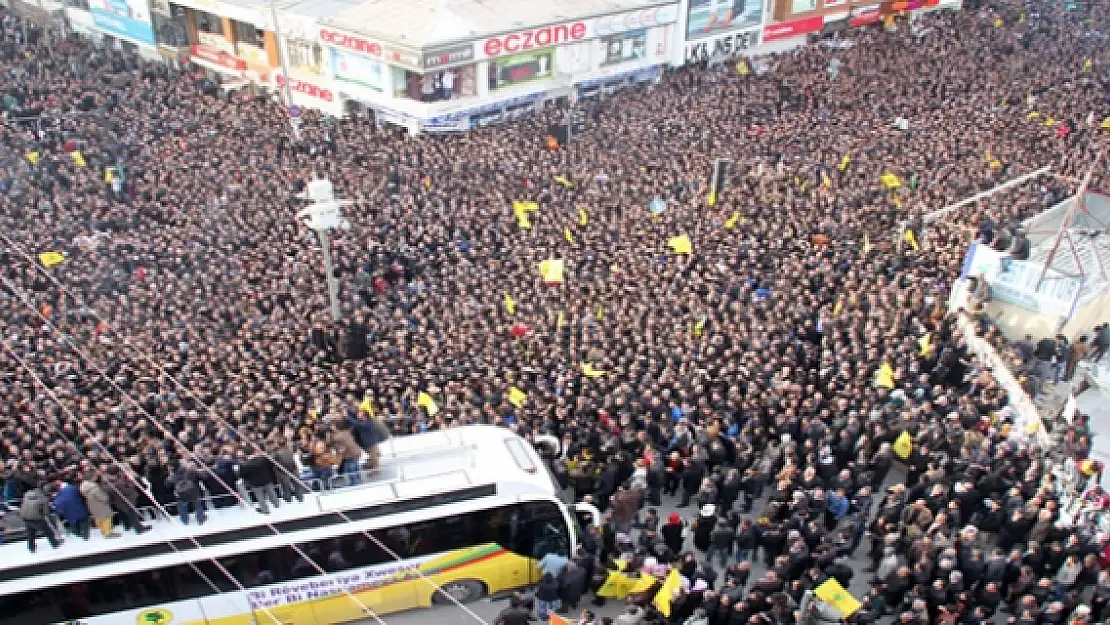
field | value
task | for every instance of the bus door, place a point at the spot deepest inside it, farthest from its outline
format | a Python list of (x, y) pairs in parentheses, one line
[(543, 527)]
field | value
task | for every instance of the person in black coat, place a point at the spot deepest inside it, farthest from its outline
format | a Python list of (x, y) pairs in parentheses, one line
[(575, 579), (258, 475), (703, 527), (672, 532)]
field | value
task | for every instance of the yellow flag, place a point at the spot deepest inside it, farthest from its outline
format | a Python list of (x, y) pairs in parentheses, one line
[(1021, 18), (367, 406), (589, 371), (33, 157), (866, 249), (564, 181), (552, 270), (521, 210), (567, 235), (601, 313), (998, 22), (583, 218), (1105, 125), (109, 173), (517, 397), (681, 244), (1088, 65), (711, 199), (665, 596), (622, 565), (825, 181), (996, 164), (560, 320), (742, 68), (845, 162), (838, 307), (49, 259), (699, 327), (643, 584), (730, 223), (925, 343), (890, 181), (426, 402), (1034, 427), (911, 239), (884, 377), (78, 158), (1032, 115), (832, 593), (616, 586), (903, 445), (510, 304), (1049, 121)]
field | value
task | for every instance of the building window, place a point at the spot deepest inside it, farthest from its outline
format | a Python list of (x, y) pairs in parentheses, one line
[(78, 4), (305, 55), (208, 23), (247, 33), (625, 47)]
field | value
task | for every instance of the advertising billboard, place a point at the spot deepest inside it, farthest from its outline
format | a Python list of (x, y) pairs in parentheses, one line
[(359, 70), (129, 19), (707, 18)]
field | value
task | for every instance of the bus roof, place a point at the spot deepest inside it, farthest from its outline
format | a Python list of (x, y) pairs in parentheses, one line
[(449, 469)]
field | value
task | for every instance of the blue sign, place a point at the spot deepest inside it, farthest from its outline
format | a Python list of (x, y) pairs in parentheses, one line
[(294, 111), (129, 19)]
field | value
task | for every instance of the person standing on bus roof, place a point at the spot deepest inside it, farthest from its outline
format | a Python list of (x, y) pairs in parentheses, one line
[(100, 505), (258, 475), (34, 512), (187, 490), (348, 450)]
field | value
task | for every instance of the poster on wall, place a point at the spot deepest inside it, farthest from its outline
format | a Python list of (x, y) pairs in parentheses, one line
[(358, 70), (129, 19), (710, 17), (521, 68)]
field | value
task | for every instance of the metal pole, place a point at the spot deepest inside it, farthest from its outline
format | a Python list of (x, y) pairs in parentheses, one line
[(333, 284), (279, 40)]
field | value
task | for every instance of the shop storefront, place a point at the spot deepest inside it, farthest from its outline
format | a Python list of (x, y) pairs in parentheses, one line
[(311, 91), (127, 21)]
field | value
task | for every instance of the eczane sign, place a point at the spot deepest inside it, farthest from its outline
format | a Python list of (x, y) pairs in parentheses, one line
[(350, 42), (535, 38)]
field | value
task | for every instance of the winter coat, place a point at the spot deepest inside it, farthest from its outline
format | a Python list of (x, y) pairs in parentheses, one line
[(100, 505), (257, 472), (70, 505), (548, 589), (703, 530), (345, 445), (35, 506)]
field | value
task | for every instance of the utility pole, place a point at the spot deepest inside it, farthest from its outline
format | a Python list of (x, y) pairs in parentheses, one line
[(294, 119), (323, 216)]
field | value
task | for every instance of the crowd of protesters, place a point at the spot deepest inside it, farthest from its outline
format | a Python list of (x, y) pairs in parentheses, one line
[(186, 329)]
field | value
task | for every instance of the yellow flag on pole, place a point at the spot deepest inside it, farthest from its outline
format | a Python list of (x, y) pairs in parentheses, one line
[(681, 244), (583, 218), (911, 239), (78, 158), (560, 320), (890, 181), (730, 223), (426, 402), (49, 259), (367, 406), (866, 249), (884, 377), (564, 181), (589, 371), (517, 397), (510, 304), (838, 307), (903, 445), (568, 235), (665, 596), (832, 593), (643, 584), (845, 162), (925, 343), (33, 157)]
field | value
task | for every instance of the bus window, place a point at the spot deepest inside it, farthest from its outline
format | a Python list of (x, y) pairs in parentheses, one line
[(541, 530)]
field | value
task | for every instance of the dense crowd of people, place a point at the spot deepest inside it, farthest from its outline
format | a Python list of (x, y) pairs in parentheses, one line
[(185, 328)]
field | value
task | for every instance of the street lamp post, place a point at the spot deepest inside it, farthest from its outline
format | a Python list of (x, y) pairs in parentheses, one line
[(323, 216), (294, 120)]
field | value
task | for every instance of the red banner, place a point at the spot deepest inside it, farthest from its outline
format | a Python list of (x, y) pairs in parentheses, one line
[(865, 16), (219, 57), (786, 30)]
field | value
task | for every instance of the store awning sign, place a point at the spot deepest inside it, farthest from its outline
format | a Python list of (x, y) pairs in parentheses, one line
[(536, 38), (786, 30)]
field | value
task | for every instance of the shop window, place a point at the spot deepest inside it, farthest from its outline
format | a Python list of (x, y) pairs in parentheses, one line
[(438, 86), (78, 4), (625, 47), (171, 31), (247, 33)]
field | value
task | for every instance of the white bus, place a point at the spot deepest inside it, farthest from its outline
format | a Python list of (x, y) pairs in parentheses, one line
[(471, 508)]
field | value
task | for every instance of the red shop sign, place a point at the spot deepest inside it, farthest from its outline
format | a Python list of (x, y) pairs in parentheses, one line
[(786, 30), (865, 16), (350, 42), (306, 88), (535, 39), (218, 57)]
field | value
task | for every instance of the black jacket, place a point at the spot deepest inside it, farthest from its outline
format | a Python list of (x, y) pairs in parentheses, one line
[(257, 472)]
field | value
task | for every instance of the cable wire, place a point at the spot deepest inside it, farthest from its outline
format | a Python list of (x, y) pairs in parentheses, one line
[(170, 436), (219, 419), (133, 479)]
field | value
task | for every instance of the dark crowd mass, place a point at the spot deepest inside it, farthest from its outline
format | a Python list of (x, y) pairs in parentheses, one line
[(185, 332)]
